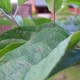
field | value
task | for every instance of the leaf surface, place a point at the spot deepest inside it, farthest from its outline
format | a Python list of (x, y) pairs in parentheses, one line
[(40, 59)]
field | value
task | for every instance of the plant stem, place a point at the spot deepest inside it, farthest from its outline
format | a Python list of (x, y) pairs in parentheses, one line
[(6, 16), (16, 11), (53, 10), (10, 18), (15, 21)]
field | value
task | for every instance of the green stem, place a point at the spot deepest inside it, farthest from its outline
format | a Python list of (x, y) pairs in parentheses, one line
[(15, 21), (54, 10), (9, 17)]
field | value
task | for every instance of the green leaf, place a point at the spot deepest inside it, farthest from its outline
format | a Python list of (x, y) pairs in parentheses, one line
[(41, 21), (28, 55), (28, 22), (50, 35), (45, 39), (74, 39), (58, 4), (46, 68), (4, 43), (19, 20), (16, 34), (10, 47), (37, 61), (29, 28), (36, 24), (6, 6), (46, 25), (10, 44), (56, 26), (20, 2)]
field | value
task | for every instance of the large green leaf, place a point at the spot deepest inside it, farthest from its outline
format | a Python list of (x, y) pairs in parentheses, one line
[(47, 66), (29, 54), (50, 35), (58, 4), (6, 6), (36, 61), (45, 39)]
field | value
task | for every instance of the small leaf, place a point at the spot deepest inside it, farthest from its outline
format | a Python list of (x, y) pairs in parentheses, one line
[(10, 47), (55, 61), (6, 6), (41, 21), (28, 22), (19, 20), (4, 43)]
